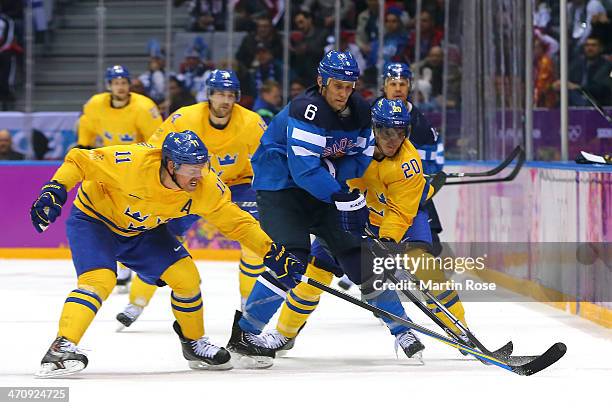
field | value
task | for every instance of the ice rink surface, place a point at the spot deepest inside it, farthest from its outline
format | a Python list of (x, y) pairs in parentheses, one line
[(343, 356)]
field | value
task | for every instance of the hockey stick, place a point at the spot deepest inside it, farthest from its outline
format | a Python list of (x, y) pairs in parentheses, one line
[(523, 365), (517, 153), (596, 105), (504, 351)]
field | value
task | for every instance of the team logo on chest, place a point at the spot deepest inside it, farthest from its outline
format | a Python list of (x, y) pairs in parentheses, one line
[(339, 148), (227, 160), (126, 138), (136, 215)]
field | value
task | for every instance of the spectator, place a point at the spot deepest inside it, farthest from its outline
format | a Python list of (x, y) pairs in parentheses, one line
[(193, 69), (136, 86), (544, 76), (602, 28), (432, 69), (325, 11), (178, 95), (266, 34), (267, 68), (367, 27), (8, 60), (346, 44), (307, 45), (269, 101), (579, 16), (6, 147), (297, 86), (431, 36), (592, 73), (154, 79), (206, 15), (395, 39)]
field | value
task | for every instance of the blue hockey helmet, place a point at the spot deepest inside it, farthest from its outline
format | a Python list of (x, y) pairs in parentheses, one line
[(341, 66), (397, 70), (184, 148), (392, 114), (223, 80), (117, 71)]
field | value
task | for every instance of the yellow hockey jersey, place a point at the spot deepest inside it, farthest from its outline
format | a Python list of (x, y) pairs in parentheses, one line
[(133, 123), (393, 189), (121, 187), (230, 149)]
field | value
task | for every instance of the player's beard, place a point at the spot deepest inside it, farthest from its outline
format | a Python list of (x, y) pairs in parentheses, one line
[(224, 111)]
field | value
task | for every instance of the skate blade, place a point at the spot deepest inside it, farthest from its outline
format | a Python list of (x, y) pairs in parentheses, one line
[(50, 370), (201, 365), (416, 359), (251, 362), (282, 353), (120, 327)]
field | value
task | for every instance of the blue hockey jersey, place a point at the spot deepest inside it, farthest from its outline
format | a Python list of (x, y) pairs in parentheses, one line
[(309, 146), (427, 142)]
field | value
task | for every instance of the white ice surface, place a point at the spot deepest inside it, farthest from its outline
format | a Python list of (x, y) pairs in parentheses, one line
[(344, 356)]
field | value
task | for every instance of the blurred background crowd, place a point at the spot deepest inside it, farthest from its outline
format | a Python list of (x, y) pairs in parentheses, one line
[(70, 37)]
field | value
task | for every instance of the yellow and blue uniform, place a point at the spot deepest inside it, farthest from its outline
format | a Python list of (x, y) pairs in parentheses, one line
[(133, 123), (395, 190), (230, 151), (120, 214)]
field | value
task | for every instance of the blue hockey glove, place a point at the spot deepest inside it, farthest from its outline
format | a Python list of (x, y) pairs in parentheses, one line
[(48, 206), (353, 211), (285, 266)]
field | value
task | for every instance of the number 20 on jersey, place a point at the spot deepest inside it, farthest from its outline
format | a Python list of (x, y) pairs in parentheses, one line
[(411, 168)]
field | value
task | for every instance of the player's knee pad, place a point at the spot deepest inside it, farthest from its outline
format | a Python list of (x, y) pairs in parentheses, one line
[(183, 277), (99, 281)]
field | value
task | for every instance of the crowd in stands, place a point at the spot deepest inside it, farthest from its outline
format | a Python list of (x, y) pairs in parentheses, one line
[(258, 59)]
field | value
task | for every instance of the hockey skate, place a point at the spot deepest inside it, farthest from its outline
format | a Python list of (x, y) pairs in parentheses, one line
[(202, 354), (248, 350), (277, 342), (62, 358), (411, 345), (128, 316)]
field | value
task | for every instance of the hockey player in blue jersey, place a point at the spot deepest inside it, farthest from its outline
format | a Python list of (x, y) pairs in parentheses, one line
[(318, 141)]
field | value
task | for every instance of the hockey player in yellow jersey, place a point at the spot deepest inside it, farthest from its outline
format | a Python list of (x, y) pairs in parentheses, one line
[(231, 134), (117, 117), (395, 190), (126, 197)]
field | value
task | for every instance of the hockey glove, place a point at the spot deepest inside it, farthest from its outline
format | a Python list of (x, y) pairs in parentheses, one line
[(353, 211), (284, 265), (48, 206)]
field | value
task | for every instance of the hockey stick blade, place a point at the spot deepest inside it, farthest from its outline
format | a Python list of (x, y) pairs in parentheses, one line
[(504, 351), (539, 363), (517, 150), (517, 168)]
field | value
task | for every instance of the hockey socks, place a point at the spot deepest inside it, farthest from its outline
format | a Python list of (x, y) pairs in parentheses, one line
[(141, 292), (302, 301), (189, 313), (83, 303), (251, 266)]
